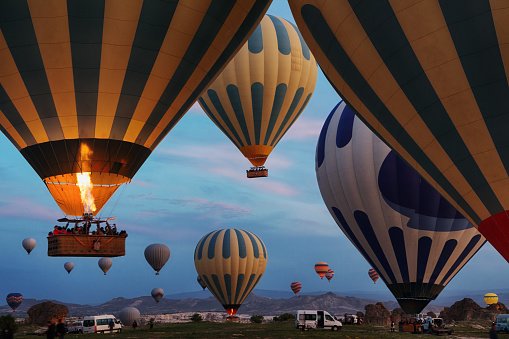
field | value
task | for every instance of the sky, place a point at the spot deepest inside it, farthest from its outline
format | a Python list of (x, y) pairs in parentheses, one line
[(193, 183)]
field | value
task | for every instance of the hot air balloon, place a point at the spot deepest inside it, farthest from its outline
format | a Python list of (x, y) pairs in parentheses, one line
[(70, 265), (433, 86), (28, 244), (490, 298), (157, 255), (296, 286), (373, 275), (105, 264), (201, 282), (263, 90), (230, 262), (14, 300), (128, 315), (321, 268), (157, 294), (329, 274), (414, 239), (88, 89)]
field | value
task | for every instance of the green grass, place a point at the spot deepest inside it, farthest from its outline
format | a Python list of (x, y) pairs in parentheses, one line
[(267, 330)]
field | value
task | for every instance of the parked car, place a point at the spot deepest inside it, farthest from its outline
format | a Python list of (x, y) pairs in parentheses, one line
[(502, 323), (75, 327)]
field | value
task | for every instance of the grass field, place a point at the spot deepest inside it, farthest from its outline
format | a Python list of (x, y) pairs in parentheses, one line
[(266, 330)]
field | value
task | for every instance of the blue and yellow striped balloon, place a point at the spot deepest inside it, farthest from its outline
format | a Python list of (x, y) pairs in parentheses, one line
[(263, 90), (14, 300), (230, 262)]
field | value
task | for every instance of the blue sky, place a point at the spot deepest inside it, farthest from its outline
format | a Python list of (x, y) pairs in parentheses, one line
[(195, 182)]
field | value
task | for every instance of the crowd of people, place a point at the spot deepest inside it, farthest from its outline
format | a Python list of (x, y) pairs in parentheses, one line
[(85, 229)]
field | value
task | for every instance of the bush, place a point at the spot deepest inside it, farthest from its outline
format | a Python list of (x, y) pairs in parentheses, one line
[(258, 319), (196, 318), (285, 317), (8, 319)]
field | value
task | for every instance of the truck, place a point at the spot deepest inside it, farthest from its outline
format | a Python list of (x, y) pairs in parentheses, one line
[(316, 319), (435, 326), (502, 323)]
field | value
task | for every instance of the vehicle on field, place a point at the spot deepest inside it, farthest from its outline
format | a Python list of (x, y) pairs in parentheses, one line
[(100, 324), (306, 319), (75, 327), (502, 323), (435, 325)]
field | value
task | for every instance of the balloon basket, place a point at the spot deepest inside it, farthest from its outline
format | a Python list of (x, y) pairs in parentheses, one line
[(70, 245), (257, 172)]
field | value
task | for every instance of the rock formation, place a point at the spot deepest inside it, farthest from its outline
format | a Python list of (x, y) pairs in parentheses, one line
[(377, 314), (47, 311), (468, 309)]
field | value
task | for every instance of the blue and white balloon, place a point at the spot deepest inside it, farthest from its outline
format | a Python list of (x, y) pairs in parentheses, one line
[(410, 235)]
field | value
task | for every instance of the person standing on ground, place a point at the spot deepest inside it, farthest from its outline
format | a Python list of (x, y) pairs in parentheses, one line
[(151, 323), (392, 325), (135, 324), (493, 331), (60, 329), (52, 329)]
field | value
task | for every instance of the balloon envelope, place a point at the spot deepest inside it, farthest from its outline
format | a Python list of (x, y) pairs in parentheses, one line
[(230, 262), (105, 81), (263, 90), (433, 87), (329, 274), (157, 294), (490, 298), (414, 239), (105, 264), (373, 275), (14, 300), (28, 244), (69, 266), (157, 255), (128, 315), (321, 268), (296, 286)]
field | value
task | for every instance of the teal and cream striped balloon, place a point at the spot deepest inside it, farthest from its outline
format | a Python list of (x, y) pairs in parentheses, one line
[(263, 90), (230, 262)]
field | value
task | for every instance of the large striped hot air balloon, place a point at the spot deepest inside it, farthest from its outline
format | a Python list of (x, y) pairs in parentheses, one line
[(490, 298), (373, 275), (88, 89), (296, 286), (414, 239), (230, 262), (321, 268), (431, 78), (14, 300), (263, 90)]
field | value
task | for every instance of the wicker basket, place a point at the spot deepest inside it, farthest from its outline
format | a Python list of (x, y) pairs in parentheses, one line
[(70, 245)]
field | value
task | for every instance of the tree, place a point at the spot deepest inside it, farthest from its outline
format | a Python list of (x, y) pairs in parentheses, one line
[(8, 319), (258, 319), (285, 317), (196, 318)]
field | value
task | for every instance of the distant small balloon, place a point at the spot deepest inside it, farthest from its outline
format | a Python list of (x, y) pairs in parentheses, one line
[(14, 300), (490, 298), (105, 264), (329, 274), (29, 244), (157, 255), (157, 294), (296, 286), (321, 268), (69, 266), (128, 315), (373, 275), (201, 282)]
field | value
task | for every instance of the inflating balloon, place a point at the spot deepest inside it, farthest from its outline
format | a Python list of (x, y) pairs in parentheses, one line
[(231, 262), (263, 90), (373, 275), (28, 244), (157, 255), (88, 89), (157, 294), (128, 315), (69, 266), (490, 298), (414, 239), (321, 268), (433, 86), (14, 300), (296, 286), (105, 264), (329, 274)]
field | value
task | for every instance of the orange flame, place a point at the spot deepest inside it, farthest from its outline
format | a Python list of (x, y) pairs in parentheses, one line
[(85, 185)]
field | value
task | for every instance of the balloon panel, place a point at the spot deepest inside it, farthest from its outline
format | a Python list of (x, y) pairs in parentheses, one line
[(414, 239), (95, 86), (434, 87), (263, 90), (230, 262)]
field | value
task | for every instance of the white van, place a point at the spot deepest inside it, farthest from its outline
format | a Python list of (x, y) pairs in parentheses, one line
[(502, 323), (100, 324), (306, 319)]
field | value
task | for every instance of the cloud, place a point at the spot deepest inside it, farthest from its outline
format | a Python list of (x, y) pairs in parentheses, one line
[(142, 183), (25, 208), (304, 129)]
